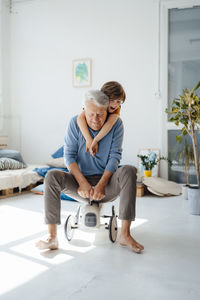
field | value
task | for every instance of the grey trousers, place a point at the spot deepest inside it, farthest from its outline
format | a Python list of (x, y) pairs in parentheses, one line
[(122, 184)]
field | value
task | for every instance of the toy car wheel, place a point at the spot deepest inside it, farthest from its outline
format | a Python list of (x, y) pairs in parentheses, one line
[(69, 227), (113, 229)]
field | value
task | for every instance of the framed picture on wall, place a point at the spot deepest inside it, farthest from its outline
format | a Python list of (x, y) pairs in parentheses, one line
[(152, 154), (82, 72), (3, 142)]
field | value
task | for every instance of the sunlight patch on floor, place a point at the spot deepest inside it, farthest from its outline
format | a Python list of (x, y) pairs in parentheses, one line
[(29, 251), (81, 242), (138, 222), (16, 271), (19, 223)]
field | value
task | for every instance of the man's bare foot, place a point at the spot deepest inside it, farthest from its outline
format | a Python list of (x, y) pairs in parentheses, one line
[(50, 243), (131, 243)]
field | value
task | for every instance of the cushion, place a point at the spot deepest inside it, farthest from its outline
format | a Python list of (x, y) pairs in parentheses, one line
[(65, 197), (154, 192), (12, 154), (162, 186), (58, 153), (11, 164), (57, 162), (40, 190), (43, 171)]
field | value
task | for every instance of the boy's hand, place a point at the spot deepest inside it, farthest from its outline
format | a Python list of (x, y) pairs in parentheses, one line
[(93, 148), (88, 144)]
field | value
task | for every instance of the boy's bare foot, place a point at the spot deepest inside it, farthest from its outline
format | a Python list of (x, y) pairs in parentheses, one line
[(131, 243), (50, 243)]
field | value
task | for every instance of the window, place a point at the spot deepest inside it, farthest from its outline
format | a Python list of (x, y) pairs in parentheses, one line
[(183, 72), (183, 50)]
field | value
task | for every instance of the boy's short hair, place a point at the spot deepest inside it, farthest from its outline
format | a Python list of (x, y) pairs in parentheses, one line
[(97, 97), (114, 90)]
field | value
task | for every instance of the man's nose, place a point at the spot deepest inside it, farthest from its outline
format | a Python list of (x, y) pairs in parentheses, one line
[(96, 117)]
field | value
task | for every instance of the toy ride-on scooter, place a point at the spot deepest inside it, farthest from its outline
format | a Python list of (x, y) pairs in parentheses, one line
[(88, 217)]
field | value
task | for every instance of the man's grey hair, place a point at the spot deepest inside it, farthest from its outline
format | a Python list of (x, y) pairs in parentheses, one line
[(97, 97)]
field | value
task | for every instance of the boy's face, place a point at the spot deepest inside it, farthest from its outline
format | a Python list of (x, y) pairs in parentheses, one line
[(95, 116), (114, 104)]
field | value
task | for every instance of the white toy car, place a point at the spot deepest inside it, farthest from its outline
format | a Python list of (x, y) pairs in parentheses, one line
[(88, 217)]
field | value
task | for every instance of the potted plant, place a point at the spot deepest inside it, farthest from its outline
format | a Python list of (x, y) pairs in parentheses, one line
[(186, 158), (185, 110), (149, 161)]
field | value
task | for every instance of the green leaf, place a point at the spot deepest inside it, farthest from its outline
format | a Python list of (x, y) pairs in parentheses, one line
[(196, 87), (176, 122), (179, 138), (184, 131)]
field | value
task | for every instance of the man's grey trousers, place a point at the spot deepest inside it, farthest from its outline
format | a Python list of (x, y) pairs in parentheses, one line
[(122, 184)]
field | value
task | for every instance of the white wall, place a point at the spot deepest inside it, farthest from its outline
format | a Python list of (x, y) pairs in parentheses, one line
[(5, 108), (121, 38)]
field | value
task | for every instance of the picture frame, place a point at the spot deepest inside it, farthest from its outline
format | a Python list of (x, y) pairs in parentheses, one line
[(3, 142), (82, 72), (149, 151)]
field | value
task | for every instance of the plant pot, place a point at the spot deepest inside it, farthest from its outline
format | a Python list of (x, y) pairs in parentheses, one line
[(194, 200), (147, 173), (185, 191)]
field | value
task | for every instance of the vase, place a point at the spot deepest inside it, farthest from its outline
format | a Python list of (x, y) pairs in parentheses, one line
[(185, 192), (194, 200), (147, 173)]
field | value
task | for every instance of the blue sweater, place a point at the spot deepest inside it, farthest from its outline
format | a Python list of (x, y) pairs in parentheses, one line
[(109, 149)]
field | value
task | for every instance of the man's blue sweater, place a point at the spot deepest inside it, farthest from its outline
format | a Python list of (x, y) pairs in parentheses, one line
[(109, 149)]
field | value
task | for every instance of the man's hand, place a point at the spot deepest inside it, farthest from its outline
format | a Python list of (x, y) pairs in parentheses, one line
[(99, 192), (85, 190)]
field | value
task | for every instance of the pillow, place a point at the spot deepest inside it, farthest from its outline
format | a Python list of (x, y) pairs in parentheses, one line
[(57, 162), (162, 186), (58, 153), (43, 171), (154, 192), (65, 197), (40, 190), (12, 154), (11, 164)]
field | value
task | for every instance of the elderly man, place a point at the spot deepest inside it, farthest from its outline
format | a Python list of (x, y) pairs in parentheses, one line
[(97, 178)]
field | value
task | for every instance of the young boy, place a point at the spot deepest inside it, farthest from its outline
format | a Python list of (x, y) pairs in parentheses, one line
[(117, 96)]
